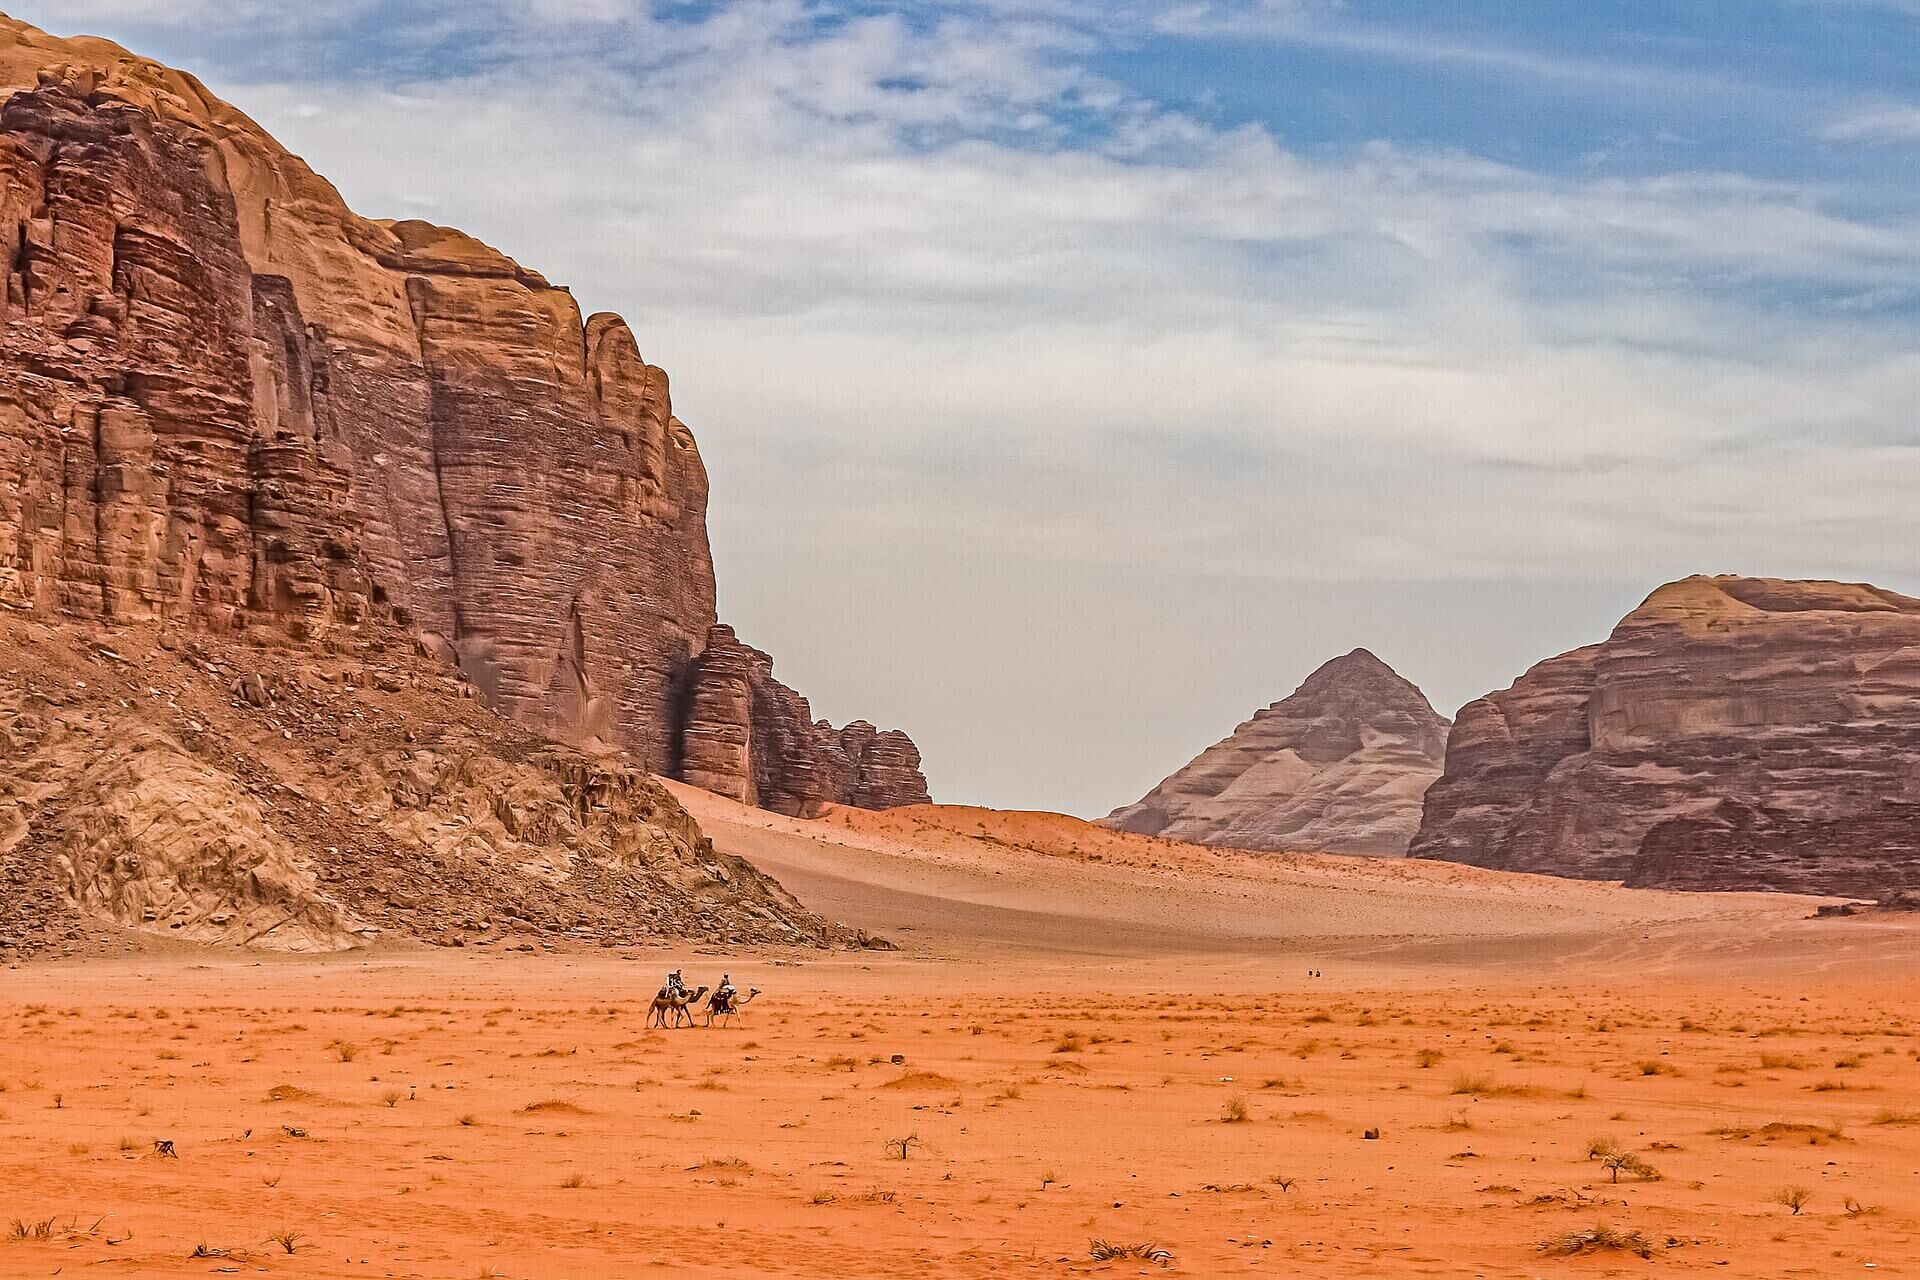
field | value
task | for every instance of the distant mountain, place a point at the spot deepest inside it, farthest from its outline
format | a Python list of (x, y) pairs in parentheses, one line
[(1732, 733), (1339, 766)]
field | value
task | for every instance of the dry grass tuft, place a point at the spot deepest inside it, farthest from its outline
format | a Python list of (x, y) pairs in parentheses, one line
[(1109, 1251), (1598, 1239)]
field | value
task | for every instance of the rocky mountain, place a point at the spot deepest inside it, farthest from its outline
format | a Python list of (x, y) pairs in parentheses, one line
[(1340, 765), (245, 790), (228, 402), (1732, 733)]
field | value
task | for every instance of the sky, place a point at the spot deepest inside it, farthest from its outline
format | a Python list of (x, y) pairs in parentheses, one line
[(1077, 376)]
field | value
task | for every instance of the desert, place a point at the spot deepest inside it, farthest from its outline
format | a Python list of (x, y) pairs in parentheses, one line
[(408, 867), (1303, 1065)]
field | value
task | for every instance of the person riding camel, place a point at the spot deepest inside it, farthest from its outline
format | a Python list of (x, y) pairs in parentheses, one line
[(724, 994), (676, 986)]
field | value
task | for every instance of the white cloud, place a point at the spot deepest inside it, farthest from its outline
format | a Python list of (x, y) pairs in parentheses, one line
[(1900, 123)]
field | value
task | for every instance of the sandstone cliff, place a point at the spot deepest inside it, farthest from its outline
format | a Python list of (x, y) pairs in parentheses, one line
[(751, 738), (1732, 733), (227, 401), (1340, 766)]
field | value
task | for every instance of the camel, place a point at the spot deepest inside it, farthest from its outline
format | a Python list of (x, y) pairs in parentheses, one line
[(665, 1001), (730, 1010)]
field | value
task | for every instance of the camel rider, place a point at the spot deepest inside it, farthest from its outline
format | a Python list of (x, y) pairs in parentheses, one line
[(676, 986), (723, 995)]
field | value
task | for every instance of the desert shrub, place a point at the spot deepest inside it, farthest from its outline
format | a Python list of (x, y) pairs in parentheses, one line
[(1793, 1199), (1109, 1251), (1598, 1239), (1629, 1163)]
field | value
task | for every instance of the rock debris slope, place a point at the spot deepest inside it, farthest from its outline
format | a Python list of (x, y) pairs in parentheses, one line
[(228, 401), (215, 789), (1340, 766), (1732, 733)]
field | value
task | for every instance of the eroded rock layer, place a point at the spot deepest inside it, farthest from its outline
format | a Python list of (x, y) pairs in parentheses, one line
[(1732, 733), (228, 401), (753, 739), (1340, 766)]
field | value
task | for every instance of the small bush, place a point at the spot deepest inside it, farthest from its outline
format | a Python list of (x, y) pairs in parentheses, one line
[(1108, 1251), (1627, 1162), (1598, 1239), (1792, 1199), (1235, 1110)]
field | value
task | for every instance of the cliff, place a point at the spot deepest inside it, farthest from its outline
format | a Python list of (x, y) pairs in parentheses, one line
[(1340, 766), (227, 401), (1732, 733)]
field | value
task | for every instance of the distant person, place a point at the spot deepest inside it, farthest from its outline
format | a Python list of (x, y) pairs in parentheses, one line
[(676, 986), (723, 995)]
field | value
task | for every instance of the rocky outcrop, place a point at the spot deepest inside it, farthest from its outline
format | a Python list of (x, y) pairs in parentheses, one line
[(753, 739), (222, 790), (1502, 750), (1732, 733), (228, 401), (1339, 766)]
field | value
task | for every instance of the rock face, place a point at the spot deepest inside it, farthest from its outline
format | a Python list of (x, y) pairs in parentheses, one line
[(227, 401), (753, 739), (251, 791), (1732, 733), (1340, 766)]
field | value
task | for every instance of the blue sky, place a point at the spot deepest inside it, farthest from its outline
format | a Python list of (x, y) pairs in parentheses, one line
[(1075, 377)]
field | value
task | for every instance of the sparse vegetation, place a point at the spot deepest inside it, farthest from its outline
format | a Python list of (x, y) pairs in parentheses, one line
[(1629, 1163), (1793, 1198), (1108, 1251), (1598, 1239)]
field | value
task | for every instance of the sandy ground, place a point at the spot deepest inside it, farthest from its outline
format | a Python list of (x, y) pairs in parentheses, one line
[(1085, 1037)]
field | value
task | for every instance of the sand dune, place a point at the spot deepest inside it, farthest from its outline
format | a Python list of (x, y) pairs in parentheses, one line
[(966, 883)]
